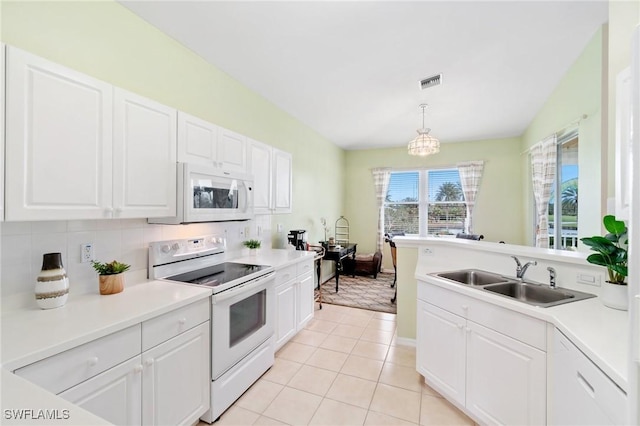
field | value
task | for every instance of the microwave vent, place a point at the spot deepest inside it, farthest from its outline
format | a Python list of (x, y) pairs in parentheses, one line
[(434, 80)]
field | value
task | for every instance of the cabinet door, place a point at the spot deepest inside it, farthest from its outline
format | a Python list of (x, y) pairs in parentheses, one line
[(58, 141), (259, 161), (232, 150), (506, 379), (282, 181), (115, 395), (144, 157), (441, 350), (197, 140), (176, 381), (2, 47), (305, 299), (285, 313)]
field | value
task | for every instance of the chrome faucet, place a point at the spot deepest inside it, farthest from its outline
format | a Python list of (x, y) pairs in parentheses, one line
[(521, 269), (552, 277)]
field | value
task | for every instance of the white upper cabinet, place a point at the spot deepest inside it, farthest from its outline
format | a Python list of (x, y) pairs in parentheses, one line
[(58, 141), (197, 140), (623, 143), (272, 178), (232, 150), (144, 157), (2, 131), (259, 162), (282, 181), (78, 148)]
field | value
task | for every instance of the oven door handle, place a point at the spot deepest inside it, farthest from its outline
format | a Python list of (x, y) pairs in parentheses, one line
[(242, 288)]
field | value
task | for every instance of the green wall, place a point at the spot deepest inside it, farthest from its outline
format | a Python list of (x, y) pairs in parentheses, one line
[(580, 92), (497, 213), (107, 41)]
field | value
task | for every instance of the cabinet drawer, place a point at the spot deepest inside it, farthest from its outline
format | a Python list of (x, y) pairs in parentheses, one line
[(589, 385), (524, 328), (521, 327), (285, 274), (67, 369), (163, 328), (304, 267), (445, 299)]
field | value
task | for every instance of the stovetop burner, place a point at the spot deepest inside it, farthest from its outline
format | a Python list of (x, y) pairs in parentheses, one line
[(216, 275)]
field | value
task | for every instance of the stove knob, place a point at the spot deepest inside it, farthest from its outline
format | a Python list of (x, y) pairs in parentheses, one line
[(175, 246), (165, 248)]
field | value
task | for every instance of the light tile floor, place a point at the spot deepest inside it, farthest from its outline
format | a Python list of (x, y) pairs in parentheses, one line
[(344, 368)]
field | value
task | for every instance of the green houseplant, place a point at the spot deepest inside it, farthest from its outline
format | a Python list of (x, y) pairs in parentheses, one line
[(252, 244), (111, 276), (611, 252)]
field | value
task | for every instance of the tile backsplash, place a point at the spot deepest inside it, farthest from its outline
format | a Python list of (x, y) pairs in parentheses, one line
[(126, 240)]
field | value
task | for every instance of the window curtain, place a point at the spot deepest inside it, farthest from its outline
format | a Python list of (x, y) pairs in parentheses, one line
[(543, 174), (470, 175), (381, 184)]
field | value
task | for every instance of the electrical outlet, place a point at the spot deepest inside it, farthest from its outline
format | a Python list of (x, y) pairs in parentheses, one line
[(259, 230), (427, 251), (247, 232), (279, 227), (86, 252)]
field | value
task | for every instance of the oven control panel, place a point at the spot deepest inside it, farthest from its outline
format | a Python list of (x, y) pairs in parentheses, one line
[(163, 252)]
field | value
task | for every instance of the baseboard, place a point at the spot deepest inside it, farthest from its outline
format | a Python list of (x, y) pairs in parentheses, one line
[(405, 341)]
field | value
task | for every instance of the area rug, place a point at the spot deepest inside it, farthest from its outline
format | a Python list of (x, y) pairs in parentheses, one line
[(361, 292)]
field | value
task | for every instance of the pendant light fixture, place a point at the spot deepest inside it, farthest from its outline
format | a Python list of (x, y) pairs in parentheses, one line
[(424, 144)]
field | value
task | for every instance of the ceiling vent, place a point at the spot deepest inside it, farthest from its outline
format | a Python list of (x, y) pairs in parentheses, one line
[(434, 80)]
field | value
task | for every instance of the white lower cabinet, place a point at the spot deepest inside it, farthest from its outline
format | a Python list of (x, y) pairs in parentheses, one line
[(115, 395), (153, 373), (581, 393), (499, 378), (294, 300), (176, 380), (505, 379)]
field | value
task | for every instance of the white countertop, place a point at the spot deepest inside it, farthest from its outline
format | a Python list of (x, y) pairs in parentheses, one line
[(24, 403), (31, 334), (601, 333), (278, 258)]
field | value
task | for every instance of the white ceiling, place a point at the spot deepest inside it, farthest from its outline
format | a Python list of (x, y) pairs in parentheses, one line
[(350, 69)]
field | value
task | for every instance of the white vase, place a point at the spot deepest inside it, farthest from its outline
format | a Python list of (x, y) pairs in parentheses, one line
[(52, 284), (615, 296)]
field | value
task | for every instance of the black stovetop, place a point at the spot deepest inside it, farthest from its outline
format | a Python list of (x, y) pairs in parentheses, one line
[(216, 275)]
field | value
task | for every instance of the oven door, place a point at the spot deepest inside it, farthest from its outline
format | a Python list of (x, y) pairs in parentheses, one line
[(242, 318), (213, 195)]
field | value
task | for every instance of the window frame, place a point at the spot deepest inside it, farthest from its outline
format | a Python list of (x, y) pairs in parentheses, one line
[(423, 202)]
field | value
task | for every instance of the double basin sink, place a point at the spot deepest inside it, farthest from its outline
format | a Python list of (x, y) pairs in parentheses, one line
[(522, 291)]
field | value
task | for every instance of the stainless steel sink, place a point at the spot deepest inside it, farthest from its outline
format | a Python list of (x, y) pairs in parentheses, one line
[(526, 292), (472, 277), (537, 294)]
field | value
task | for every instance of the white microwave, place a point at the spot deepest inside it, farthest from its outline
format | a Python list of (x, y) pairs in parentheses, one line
[(207, 194)]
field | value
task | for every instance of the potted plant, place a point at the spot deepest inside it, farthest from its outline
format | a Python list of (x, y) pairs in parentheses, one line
[(111, 276), (252, 245), (611, 252)]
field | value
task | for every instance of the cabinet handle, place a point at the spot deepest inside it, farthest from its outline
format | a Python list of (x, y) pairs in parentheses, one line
[(149, 362), (137, 369), (182, 321), (93, 361), (460, 326), (108, 211), (118, 210), (586, 385), (465, 308)]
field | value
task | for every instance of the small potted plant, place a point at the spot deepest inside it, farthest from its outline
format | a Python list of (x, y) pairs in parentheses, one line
[(111, 276), (612, 254), (252, 245)]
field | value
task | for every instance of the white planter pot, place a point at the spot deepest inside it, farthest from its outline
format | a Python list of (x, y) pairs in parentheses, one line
[(615, 296)]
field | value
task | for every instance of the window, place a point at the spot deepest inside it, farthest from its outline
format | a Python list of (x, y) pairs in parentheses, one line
[(425, 202), (563, 210)]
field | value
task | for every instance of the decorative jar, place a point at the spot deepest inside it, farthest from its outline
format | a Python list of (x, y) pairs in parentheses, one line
[(52, 283)]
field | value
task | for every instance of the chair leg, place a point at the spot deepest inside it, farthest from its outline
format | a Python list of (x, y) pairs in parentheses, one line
[(395, 276), (395, 296)]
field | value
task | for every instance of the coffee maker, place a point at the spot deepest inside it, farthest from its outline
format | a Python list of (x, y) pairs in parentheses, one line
[(298, 238)]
